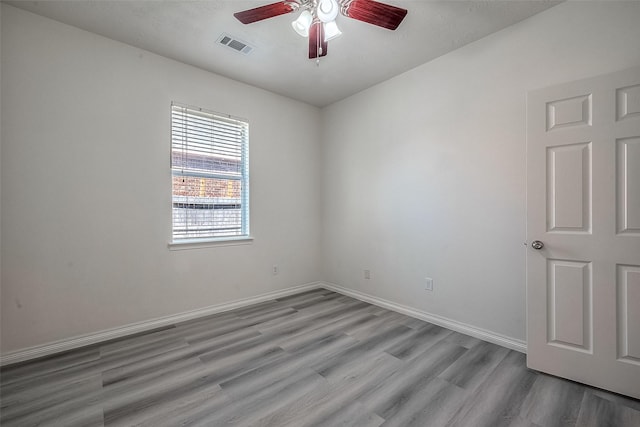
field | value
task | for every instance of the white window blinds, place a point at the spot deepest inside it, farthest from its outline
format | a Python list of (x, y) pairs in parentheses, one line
[(210, 174)]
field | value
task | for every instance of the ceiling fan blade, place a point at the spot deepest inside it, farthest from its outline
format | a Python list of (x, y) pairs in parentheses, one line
[(376, 13), (264, 12), (316, 33)]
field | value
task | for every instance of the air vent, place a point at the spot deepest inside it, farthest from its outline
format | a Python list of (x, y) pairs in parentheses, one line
[(235, 44)]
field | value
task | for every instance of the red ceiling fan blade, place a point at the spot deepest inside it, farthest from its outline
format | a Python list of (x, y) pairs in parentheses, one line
[(264, 12), (373, 12), (316, 33)]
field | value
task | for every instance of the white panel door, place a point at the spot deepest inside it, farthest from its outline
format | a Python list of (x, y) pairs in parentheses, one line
[(583, 206)]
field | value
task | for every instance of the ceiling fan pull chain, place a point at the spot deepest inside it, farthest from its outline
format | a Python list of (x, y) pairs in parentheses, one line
[(319, 51)]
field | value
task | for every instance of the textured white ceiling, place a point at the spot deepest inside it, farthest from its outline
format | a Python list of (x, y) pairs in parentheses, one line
[(362, 57)]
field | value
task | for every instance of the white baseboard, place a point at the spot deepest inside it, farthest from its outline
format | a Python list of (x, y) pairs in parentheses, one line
[(512, 343), (67, 344)]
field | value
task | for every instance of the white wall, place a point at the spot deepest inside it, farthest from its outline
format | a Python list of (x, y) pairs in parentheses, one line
[(86, 186), (0, 172), (424, 175)]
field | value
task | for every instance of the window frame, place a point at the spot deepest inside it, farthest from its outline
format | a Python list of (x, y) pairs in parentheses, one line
[(211, 240)]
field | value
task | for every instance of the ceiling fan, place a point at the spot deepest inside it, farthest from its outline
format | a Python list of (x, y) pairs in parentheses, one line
[(317, 21)]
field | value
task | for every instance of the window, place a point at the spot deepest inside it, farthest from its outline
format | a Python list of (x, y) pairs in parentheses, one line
[(210, 175)]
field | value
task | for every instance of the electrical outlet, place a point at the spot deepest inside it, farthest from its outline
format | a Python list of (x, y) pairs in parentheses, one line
[(275, 269), (428, 284), (367, 274)]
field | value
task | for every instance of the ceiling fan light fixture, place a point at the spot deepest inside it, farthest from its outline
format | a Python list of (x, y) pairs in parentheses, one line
[(331, 31), (327, 10), (317, 19), (303, 23)]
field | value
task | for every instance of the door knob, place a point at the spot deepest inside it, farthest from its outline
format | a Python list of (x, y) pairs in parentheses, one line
[(537, 244)]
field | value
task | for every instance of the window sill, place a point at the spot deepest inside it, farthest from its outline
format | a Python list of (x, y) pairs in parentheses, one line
[(178, 245)]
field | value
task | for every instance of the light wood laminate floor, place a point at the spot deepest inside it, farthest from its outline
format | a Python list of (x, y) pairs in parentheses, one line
[(313, 359)]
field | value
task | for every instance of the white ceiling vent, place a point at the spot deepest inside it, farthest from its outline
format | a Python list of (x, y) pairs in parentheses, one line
[(235, 44)]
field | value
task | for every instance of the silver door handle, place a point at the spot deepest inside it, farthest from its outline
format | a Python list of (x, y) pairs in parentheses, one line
[(537, 244)]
